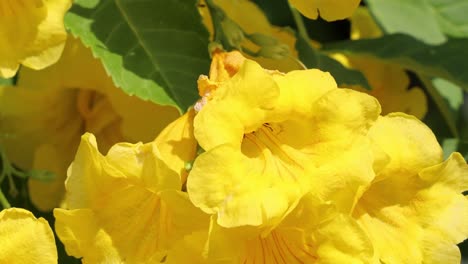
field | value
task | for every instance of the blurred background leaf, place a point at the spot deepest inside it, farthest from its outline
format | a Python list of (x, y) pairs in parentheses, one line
[(430, 21), (6, 82), (314, 58), (447, 60)]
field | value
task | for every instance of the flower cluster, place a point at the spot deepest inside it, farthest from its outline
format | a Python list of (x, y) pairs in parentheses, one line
[(277, 168), (268, 166)]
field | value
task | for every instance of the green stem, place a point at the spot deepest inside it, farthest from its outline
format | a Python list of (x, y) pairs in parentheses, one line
[(8, 171), (217, 15), (4, 201), (11, 182), (299, 23)]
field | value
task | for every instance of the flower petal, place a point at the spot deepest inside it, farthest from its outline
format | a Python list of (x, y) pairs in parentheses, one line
[(314, 232), (428, 212), (25, 239), (36, 38), (177, 144), (131, 202), (240, 104), (217, 184), (411, 145)]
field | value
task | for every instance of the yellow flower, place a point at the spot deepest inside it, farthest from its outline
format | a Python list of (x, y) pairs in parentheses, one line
[(177, 144), (31, 33), (414, 210), (270, 138), (252, 20), (329, 10), (313, 233), (49, 111), (25, 239), (124, 207), (389, 81)]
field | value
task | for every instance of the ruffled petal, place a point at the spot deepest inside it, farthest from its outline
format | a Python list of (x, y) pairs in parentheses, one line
[(177, 144), (239, 106), (25, 239), (218, 184), (414, 211), (410, 143), (32, 33), (131, 203), (314, 232)]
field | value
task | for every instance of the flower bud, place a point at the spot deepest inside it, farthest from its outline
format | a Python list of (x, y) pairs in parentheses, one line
[(233, 34), (263, 40), (276, 52)]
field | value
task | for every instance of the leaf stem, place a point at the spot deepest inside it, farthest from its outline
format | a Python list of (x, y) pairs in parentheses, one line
[(299, 22), (4, 201)]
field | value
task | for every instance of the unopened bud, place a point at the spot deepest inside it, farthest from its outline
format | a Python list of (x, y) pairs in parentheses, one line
[(232, 32), (263, 40), (276, 52)]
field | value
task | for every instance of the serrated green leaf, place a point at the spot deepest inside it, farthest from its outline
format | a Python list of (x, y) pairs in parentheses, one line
[(313, 58), (427, 20), (447, 60), (152, 49)]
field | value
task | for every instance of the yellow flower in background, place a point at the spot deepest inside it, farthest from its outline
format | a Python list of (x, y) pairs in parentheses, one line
[(251, 19), (124, 207), (329, 10), (389, 82), (414, 211), (50, 109), (270, 138), (31, 33), (314, 232), (25, 239)]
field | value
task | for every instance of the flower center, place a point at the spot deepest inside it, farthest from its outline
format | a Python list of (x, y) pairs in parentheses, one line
[(279, 248), (267, 146), (98, 117)]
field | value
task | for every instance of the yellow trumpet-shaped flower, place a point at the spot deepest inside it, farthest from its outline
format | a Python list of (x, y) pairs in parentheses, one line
[(125, 207), (31, 33), (329, 10), (313, 232), (50, 109), (414, 211), (389, 82), (271, 137), (25, 239)]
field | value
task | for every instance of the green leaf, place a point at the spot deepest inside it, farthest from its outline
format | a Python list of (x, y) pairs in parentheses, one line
[(448, 98), (447, 60), (313, 58), (427, 20), (7, 82), (152, 49), (449, 145)]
